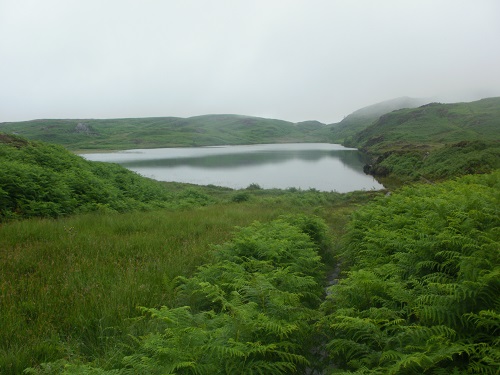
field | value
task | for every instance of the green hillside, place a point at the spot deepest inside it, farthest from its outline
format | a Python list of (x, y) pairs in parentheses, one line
[(46, 180), (130, 133), (359, 120), (106, 272), (434, 124), (434, 141)]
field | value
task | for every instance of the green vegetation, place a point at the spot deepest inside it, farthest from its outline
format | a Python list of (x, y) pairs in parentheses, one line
[(120, 134), (434, 142), (418, 293), (421, 287), (433, 125), (362, 118), (106, 272), (207, 130), (44, 180), (455, 159), (249, 311), (71, 285)]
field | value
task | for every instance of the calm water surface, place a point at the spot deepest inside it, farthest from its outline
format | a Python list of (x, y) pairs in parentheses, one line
[(322, 166)]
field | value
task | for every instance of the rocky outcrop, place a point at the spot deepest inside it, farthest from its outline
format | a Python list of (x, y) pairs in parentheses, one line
[(84, 128), (376, 170)]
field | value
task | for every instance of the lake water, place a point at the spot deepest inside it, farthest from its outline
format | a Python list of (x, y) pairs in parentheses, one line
[(322, 166)]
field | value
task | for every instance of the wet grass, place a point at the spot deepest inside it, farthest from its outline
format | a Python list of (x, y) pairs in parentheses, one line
[(70, 287)]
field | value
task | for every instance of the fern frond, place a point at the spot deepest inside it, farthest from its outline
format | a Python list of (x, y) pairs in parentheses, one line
[(488, 319)]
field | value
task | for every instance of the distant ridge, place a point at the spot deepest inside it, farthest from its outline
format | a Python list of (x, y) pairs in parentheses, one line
[(378, 109), (364, 117), (434, 141), (434, 124), (202, 130), (154, 132)]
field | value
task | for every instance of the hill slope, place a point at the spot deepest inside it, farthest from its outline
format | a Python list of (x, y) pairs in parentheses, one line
[(39, 179), (434, 140), (362, 118), (208, 130)]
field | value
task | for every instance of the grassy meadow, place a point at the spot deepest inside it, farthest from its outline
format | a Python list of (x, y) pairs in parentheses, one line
[(71, 286), (417, 293)]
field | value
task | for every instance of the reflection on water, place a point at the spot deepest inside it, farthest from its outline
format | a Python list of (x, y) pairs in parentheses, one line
[(325, 167)]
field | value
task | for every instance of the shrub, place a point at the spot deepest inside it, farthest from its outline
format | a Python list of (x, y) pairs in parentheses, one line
[(254, 186), (240, 197), (43, 180), (421, 293)]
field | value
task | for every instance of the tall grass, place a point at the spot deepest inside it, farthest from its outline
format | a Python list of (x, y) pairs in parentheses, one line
[(68, 286)]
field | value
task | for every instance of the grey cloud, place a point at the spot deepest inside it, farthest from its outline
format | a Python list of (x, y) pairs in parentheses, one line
[(294, 60)]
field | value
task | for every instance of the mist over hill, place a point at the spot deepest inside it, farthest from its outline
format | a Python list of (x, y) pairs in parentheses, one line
[(434, 141), (360, 119), (435, 124), (205, 130), (429, 141)]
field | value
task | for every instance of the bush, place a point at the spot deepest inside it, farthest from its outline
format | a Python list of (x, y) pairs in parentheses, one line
[(254, 186), (240, 197), (38, 179), (421, 293)]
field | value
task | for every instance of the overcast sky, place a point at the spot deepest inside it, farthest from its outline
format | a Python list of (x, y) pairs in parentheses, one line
[(294, 60)]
